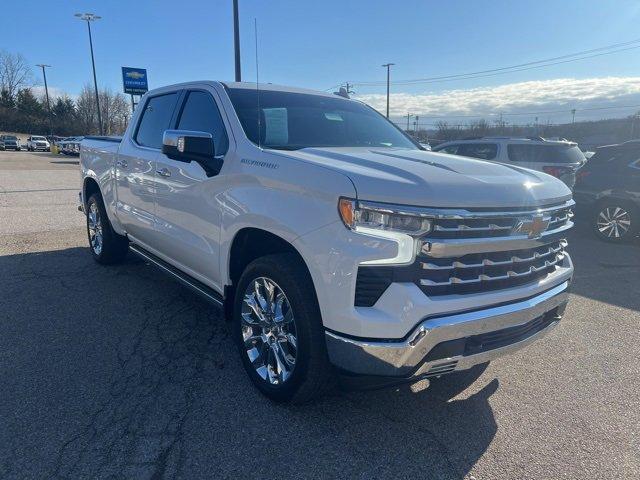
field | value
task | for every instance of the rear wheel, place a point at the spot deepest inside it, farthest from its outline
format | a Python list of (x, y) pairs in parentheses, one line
[(107, 247), (615, 221), (278, 330)]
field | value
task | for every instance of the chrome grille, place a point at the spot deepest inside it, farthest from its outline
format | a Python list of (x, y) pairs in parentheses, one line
[(490, 271), (494, 224), (470, 252)]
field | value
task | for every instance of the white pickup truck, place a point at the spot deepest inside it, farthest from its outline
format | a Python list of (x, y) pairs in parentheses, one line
[(335, 244)]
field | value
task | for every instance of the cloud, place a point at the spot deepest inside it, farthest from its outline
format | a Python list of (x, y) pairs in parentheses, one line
[(562, 94), (54, 92)]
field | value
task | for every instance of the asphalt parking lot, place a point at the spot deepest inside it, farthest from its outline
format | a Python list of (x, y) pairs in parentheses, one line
[(120, 372)]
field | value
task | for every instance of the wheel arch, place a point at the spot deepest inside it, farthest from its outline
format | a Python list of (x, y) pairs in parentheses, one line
[(89, 187), (248, 244)]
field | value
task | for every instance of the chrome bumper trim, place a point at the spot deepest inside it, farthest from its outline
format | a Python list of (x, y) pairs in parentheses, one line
[(405, 358)]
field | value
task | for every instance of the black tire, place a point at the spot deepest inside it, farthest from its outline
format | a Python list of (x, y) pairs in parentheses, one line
[(452, 384), (623, 212), (311, 374), (113, 247)]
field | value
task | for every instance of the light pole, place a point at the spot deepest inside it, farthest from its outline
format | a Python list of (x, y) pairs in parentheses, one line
[(236, 40), (388, 66), (46, 92), (90, 17)]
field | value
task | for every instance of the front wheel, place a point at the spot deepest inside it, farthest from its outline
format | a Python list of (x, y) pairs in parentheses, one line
[(107, 247), (616, 221), (278, 330)]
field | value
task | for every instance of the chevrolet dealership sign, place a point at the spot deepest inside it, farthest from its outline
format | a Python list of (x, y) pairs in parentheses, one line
[(134, 80)]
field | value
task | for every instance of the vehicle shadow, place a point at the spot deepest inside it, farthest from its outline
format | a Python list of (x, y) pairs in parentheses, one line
[(601, 268), (120, 372), (66, 162)]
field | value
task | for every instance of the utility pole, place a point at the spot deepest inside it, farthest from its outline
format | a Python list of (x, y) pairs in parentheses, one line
[(46, 92), (388, 67), (236, 40), (90, 17), (416, 122), (409, 115), (573, 115)]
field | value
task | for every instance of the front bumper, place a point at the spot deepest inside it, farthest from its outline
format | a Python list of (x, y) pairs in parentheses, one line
[(453, 342)]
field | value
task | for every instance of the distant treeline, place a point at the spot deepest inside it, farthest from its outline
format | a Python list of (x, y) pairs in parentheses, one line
[(24, 112), (588, 135)]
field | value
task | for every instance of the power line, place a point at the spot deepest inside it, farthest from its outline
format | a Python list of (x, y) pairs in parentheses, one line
[(582, 55)]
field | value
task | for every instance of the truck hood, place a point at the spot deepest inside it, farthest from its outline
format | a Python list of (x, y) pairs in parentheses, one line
[(429, 179)]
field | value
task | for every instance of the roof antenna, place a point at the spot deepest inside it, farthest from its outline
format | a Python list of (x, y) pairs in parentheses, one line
[(255, 32)]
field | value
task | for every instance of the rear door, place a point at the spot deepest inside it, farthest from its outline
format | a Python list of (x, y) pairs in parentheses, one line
[(135, 168), (188, 204)]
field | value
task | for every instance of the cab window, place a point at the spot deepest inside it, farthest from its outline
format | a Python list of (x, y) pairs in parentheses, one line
[(200, 113), (155, 120)]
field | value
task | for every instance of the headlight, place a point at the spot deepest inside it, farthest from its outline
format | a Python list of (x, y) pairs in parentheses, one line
[(358, 215)]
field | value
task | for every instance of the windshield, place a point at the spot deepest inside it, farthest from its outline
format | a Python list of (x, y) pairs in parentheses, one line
[(545, 153), (10, 137), (290, 121), (38, 138)]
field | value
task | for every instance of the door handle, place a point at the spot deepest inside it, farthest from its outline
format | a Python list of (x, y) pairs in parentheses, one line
[(164, 172), (122, 164)]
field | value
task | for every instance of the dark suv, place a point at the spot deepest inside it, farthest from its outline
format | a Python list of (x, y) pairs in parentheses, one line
[(607, 191)]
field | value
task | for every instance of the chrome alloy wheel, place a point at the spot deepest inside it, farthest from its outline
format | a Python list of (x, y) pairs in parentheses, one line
[(614, 222), (94, 223), (269, 330)]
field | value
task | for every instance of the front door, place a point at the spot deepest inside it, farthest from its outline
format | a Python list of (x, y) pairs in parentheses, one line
[(136, 168), (188, 209)]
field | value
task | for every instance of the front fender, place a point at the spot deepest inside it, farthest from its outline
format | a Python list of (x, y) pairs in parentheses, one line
[(290, 201)]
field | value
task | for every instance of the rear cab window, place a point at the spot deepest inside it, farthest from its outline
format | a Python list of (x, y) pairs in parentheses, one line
[(545, 153), (156, 118)]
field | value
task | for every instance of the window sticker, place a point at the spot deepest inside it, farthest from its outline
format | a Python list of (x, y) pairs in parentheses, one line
[(277, 126), (336, 117)]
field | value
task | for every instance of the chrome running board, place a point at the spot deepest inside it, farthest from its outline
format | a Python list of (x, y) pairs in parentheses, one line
[(200, 288)]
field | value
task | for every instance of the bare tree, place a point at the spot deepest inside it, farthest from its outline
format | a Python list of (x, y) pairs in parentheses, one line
[(86, 111), (15, 72), (115, 112)]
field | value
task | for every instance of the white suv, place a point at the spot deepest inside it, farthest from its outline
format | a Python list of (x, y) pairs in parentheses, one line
[(37, 142), (558, 158)]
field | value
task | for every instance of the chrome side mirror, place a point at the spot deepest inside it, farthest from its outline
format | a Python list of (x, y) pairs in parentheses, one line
[(190, 146), (187, 146)]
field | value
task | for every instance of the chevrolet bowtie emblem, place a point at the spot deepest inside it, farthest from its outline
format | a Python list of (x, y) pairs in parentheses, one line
[(533, 227)]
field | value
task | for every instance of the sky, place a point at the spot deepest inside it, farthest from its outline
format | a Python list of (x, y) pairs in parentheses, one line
[(321, 44)]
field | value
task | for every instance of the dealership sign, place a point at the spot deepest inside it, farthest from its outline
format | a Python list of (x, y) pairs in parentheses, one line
[(134, 80)]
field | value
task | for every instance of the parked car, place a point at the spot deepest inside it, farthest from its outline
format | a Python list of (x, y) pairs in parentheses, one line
[(38, 143), (561, 159), (54, 142), (9, 142), (607, 192), (71, 146), (331, 240)]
